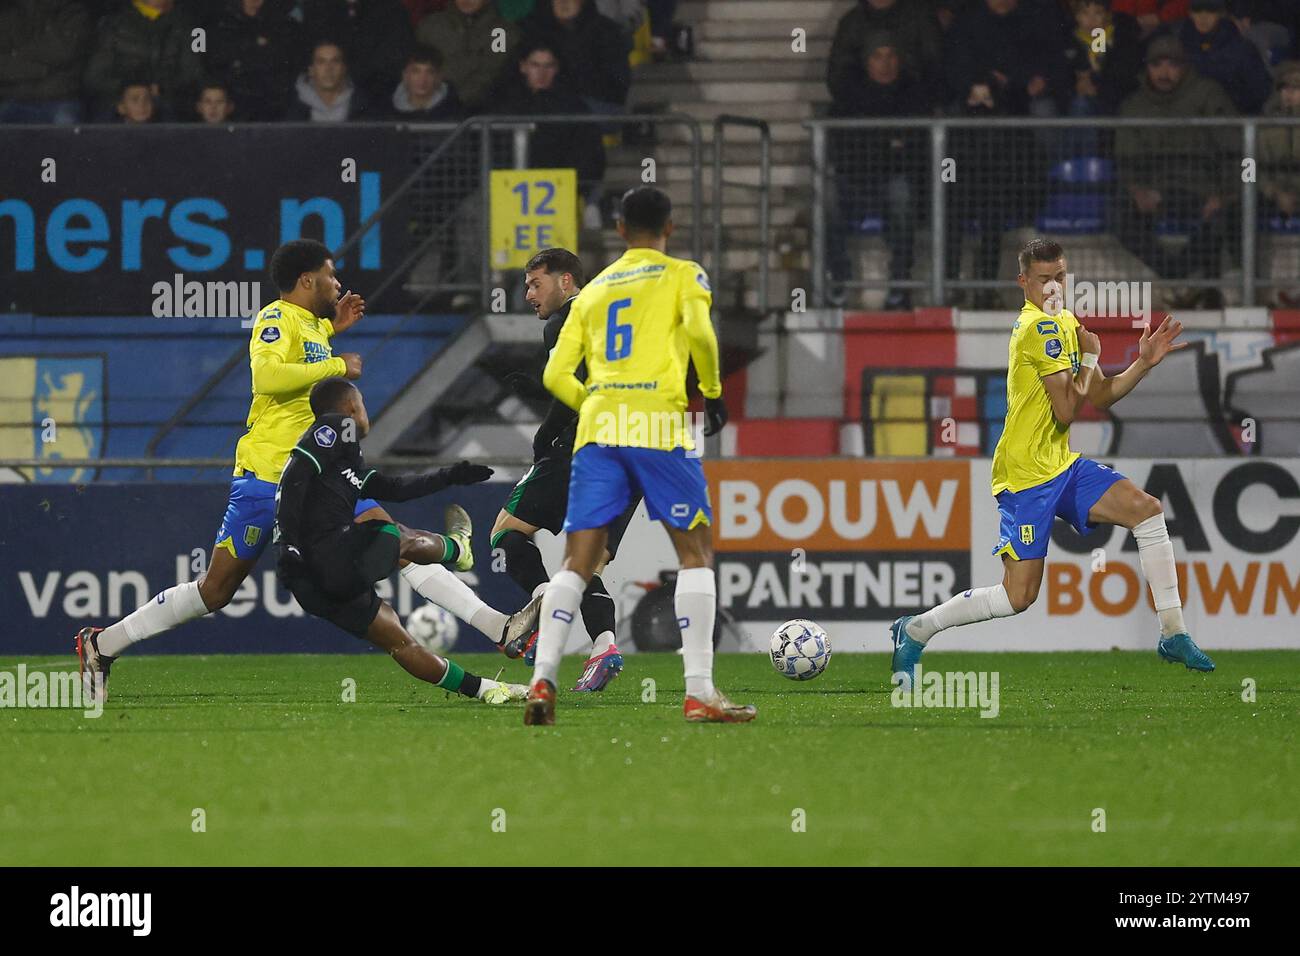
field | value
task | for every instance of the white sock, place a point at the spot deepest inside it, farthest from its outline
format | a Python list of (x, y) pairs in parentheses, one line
[(173, 606), (602, 644), (969, 607), (1156, 553), (435, 583), (559, 607), (696, 605)]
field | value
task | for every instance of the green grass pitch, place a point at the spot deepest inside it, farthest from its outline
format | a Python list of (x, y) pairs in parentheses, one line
[(285, 772)]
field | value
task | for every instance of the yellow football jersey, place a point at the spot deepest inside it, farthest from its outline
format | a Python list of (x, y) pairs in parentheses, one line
[(637, 325), (1034, 446), (289, 352)]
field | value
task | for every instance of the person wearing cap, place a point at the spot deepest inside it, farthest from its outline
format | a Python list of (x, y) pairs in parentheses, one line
[(1279, 146), (1216, 48), (1180, 173), (879, 170)]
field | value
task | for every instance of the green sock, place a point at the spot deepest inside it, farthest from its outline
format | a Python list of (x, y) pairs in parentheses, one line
[(453, 678), (450, 550)]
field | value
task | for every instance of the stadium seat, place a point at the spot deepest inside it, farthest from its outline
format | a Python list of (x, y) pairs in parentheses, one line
[(1073, 213), (1083, 171)]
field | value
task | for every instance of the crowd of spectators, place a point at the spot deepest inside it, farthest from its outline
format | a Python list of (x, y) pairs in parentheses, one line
[(220, 61), (1060, 58)]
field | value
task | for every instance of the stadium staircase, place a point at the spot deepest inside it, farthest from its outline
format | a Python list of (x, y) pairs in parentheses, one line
[(743, 65)]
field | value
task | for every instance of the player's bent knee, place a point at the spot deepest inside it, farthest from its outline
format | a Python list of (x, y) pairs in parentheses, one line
[(216, 594)]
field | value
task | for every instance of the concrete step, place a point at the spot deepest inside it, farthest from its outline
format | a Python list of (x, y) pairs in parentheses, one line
[(792, 66), (696, 11), (730, 51), (735, 94), (705, 111), (742, 31)]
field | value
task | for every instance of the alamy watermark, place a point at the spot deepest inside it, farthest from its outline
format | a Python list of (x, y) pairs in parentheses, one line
[(953, 689), (191, 299), (630, 427), (21, 689)]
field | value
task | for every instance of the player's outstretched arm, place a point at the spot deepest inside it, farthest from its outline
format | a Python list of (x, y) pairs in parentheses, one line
[(1152, 349), (558, 376), (406, 488)]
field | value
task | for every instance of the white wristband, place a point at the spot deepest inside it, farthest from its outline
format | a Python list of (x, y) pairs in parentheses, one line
[(1088, 360)]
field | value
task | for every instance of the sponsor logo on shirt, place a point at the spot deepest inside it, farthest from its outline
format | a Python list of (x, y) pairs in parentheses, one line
[(325, 436), (270, 334), (1052, 347)]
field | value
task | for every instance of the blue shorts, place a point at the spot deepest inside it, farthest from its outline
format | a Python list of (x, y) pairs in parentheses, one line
[(604, 479), (1026, 516), (250, 515)]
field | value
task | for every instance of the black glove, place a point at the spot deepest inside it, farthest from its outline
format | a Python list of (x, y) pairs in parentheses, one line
[(716, 410), (527, 386), (464, 473)]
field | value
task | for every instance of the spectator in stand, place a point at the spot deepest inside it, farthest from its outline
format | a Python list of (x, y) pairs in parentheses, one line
[(375, 34), (463, 34), (42, 49), (1270, 25), (1279, 146), (214, 105), (325, 93), (135, 102), (146, 38), (1172, 173), (1020, 46), (994, 188), (913, 25), (661, 26), (540, 92), (424, 96), (1105, 64), (1151, 15), (1217, 50), (879, 170), (591, 48), (255, 46)]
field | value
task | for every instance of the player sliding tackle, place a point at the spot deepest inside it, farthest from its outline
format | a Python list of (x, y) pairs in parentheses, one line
[(1052, 371), (289, 352), (331, 563), (635, 326)]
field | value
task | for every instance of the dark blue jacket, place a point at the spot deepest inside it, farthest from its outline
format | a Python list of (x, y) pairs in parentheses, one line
[(1231, 60)]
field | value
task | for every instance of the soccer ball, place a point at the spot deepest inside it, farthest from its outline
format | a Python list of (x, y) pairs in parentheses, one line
[(434, 627), (800, 649)]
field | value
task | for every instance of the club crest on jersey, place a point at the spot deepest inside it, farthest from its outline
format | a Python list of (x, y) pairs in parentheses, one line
[(251, 535), (325, 436), (270, 334), (1027, 534), (1052, 347)]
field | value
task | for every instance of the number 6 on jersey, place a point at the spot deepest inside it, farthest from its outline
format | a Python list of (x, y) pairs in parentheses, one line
[(618, 338)]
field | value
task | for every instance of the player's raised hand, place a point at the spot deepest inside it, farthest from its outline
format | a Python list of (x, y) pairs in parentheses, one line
[(1089, 342), (1154, 346), (353, 362), (348, 311), (465, 473)]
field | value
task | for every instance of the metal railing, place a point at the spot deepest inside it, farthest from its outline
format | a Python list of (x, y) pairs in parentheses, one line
[(1226, 200), (717, 264), (440, 193)]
